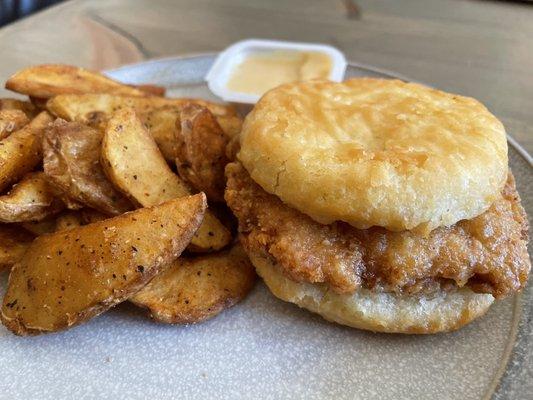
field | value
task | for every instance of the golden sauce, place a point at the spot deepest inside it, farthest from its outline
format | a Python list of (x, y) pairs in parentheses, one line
[(261, 72)]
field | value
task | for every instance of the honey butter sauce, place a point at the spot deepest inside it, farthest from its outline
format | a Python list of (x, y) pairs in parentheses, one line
[(263, 71)]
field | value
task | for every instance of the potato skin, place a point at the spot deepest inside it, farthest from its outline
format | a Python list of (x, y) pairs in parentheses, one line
[(96, 109), (21, 152), (135, 165), (15, 104), (195, 289), (38, 228), (10, 121), (70, 276), (67, 220), (201, 151), (152, 90), (30, 200), (48, 80), (14, 241), (161, 123), (71, 163), (132, 161)]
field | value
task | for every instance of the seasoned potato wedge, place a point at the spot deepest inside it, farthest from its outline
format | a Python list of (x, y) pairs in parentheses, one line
[(70, 219), (48, 80), (67, 220), (63, 220), (39, 103), (201, 151), (38, 228), (133, 162), (164, 124), (14, 241), (69, 203), (71, 163), (70, 276), (195, 289), (10, 121), (161, 123), (15, 104), (96, 109), (30, 200), (89, 215), (20, 152)]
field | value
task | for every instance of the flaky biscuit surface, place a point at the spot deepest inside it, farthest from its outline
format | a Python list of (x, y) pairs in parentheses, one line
[(375, 152)]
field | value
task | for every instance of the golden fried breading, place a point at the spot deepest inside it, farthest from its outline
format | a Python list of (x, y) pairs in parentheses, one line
[(487, 253)]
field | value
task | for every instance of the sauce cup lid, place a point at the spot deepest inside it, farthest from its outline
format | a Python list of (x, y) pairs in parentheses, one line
[(226, 62)]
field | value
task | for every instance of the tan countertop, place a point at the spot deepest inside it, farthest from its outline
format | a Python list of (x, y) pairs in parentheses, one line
[(477, 48)]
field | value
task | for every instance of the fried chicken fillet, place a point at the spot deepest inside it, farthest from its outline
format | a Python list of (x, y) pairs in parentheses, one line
[(487, 254)]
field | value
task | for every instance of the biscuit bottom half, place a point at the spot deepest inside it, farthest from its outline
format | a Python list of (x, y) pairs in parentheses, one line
[(379, 312)]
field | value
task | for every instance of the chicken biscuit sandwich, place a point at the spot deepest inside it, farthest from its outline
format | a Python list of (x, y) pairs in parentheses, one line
[(379, 204)]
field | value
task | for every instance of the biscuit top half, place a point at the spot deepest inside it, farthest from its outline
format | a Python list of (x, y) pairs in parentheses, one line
[(374, 152)]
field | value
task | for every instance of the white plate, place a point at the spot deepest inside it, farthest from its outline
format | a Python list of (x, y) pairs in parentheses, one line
[(264, 348)]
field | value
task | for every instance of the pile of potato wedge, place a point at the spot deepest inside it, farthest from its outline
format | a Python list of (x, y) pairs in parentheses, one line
[(109, 193)]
